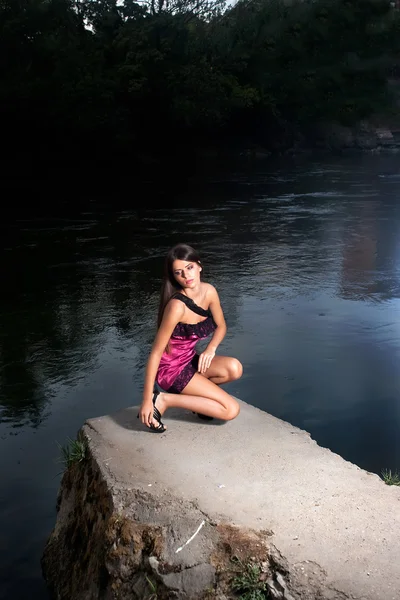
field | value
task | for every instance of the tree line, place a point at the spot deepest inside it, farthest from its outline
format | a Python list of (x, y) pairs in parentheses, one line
[(146, 75)]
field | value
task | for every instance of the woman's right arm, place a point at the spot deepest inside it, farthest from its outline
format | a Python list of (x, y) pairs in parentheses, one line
[(172, 315)]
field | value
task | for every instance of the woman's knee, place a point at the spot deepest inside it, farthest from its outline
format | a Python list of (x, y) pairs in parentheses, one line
[(233, 409), (235, 369)]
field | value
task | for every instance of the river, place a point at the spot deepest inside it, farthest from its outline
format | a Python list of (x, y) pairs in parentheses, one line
[(305, 254)]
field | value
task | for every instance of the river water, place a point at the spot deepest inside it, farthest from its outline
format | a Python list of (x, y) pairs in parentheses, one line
[(306, 257)]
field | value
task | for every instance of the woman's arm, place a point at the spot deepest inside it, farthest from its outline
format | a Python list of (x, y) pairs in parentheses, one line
[(219, 333), (172, 315)]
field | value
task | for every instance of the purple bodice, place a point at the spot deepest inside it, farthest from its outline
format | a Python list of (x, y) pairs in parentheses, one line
[(182, 343)]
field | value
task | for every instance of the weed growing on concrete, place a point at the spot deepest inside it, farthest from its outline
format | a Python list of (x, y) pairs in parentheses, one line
[(75, 451), (248, 581), (390, 478)]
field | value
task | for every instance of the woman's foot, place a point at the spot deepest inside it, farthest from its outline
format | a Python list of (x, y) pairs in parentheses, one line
[(158, 411)]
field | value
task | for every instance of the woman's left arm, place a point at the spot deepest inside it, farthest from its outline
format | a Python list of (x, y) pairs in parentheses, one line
[(219, 333)]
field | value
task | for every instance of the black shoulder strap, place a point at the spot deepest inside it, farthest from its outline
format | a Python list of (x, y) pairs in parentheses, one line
[(192, 305)]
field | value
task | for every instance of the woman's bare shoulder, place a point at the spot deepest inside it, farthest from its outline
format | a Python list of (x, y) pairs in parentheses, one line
[(174, 306), (209, 289)]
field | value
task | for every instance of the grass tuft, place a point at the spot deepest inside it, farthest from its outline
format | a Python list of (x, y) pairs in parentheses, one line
[(153, 587), (248, 582), (74, 451), (390, 478)]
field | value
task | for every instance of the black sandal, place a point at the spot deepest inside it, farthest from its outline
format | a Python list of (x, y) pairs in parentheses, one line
[(204, 417), (157, 415)]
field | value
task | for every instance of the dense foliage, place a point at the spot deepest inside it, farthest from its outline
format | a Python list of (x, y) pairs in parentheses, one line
[(148, 74)]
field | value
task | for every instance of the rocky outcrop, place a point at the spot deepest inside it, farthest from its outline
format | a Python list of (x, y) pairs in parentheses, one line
[(217, 511), (364, 136), (123, 543)]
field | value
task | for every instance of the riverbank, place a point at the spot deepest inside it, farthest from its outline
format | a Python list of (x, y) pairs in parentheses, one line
[(171, 512), (78, 166)]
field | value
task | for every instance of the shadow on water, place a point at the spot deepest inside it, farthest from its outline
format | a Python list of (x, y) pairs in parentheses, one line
[(305, 255)]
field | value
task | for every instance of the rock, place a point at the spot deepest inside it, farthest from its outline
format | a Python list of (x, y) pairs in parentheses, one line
[(145, 516), (332, 136), (366, 137), (121, 544), (363, 136), (385, 136), (192, 581)]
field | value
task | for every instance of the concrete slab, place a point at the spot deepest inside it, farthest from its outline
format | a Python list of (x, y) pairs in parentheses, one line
[(327, 517)]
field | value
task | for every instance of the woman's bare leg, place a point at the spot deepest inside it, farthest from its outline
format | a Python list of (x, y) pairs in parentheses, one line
[(203, 396), (224, 369)]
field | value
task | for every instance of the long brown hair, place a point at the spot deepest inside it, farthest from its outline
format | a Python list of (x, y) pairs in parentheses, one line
[(169, 285)]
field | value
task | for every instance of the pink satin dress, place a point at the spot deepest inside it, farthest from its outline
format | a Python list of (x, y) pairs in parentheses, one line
[(179, 364)]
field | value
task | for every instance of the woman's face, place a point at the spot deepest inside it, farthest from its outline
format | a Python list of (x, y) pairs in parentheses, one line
[(186, 273)]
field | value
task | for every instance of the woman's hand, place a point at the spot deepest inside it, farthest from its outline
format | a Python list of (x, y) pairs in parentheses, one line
[(205, 359), (146, 412)]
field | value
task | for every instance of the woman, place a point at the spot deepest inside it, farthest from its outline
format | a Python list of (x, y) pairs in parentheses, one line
[(189, 310)]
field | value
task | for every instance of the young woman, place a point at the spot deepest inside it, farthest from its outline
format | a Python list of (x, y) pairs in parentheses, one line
[(189, 310)]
